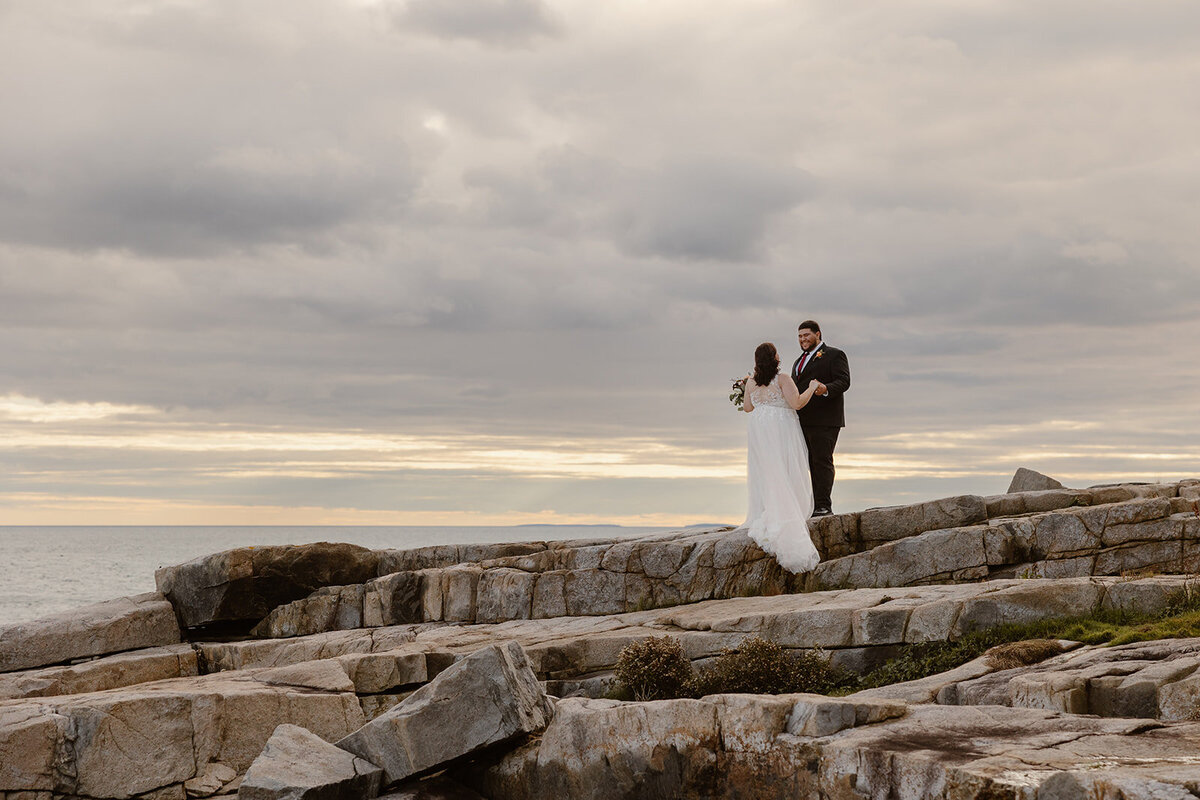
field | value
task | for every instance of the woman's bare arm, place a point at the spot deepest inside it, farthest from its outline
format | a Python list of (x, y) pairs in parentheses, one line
[(795, 398)]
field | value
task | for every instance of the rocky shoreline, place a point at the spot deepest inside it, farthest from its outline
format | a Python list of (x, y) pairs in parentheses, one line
[(481, 671)]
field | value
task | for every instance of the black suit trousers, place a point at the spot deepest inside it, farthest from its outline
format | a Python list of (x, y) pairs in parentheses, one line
[(821, 439)]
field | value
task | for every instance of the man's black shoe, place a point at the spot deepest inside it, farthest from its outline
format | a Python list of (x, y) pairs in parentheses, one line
[(822, 512)]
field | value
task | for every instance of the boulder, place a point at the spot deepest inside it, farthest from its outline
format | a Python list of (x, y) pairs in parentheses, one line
[(127, 623), (297, 764), (1026, 480), (245, 584), (487, 698)]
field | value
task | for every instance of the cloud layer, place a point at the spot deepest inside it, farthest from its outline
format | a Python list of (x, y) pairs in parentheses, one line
[(559, 228)]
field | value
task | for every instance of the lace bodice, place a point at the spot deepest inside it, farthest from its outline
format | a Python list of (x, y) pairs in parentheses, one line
[(769, 395)]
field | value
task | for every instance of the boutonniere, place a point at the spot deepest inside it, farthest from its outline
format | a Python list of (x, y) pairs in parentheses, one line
[(819, 354)]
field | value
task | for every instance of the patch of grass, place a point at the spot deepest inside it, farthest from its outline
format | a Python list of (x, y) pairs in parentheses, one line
[(1179, 618)]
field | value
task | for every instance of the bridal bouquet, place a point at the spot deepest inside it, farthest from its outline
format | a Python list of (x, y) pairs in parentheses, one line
[(739, 392)]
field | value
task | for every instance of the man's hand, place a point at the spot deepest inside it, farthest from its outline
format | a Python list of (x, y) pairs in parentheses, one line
[(821, 389)]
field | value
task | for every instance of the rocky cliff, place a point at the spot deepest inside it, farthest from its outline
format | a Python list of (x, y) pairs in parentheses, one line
[(329, 670)]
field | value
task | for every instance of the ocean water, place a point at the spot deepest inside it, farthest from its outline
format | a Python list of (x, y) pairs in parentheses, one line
[(47, 570)]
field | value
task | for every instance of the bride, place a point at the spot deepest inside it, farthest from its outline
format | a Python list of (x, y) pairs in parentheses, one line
[(781, 496)]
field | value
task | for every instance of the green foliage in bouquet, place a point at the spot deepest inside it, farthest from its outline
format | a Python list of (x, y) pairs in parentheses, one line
[(738, 394)]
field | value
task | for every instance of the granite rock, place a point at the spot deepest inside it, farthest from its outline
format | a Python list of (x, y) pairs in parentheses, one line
[(109, 672), (489, 697), (296, 764), (246, 583), (1027, 480), (741, 747), (127, 623)]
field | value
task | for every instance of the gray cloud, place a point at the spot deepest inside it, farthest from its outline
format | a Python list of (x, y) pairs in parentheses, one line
[(700, 207), (707, 208), (505, 23), (316, 217)]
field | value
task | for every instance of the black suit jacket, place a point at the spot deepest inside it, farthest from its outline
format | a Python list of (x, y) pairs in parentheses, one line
[(829, 366)]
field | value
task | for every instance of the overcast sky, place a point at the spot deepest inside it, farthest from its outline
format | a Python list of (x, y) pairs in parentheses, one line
[(496, 261)]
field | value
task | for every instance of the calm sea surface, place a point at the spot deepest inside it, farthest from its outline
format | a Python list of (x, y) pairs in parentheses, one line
[(45, 570)]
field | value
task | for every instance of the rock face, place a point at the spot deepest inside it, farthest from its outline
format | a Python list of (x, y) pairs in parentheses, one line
[(118, 744), (128, 623), (1146, 680), (597, 579), (600, 578), (741, 746), (487, 698), (1144, 534), (963, 538), (879, 525), (390, 637), (299, 765), (1026, 480), (856, 627), (247, 583)]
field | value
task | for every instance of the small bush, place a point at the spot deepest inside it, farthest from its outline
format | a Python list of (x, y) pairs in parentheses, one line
[(654, 669), (760, 666)]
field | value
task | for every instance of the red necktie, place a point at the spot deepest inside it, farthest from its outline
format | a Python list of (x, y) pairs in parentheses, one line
[(803, 361)]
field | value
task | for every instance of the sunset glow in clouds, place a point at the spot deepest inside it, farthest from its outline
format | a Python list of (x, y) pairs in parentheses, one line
[(496, 261)]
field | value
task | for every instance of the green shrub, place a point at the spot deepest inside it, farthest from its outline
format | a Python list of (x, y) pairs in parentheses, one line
[(761, 666), (653, 669)]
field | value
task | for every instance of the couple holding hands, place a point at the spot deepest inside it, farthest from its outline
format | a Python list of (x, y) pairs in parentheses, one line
[(794, 422)]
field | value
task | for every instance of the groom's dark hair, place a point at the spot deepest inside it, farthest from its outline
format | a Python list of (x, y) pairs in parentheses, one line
[(810, 324)]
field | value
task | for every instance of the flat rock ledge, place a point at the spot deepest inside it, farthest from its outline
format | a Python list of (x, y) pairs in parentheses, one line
[(164, 697), (114, 626)]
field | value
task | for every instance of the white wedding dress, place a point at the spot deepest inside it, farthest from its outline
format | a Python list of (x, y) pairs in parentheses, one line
[(781, 496)]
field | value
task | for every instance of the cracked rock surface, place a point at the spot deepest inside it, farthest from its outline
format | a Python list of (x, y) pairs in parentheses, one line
[(439, 658)]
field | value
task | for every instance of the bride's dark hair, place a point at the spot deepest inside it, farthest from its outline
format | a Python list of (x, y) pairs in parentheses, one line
[(766, 363)]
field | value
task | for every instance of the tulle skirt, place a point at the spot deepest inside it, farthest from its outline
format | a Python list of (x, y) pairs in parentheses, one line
[(781, 497)]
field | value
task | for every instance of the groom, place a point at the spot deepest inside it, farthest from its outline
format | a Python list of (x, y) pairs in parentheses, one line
[(824, 416)]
